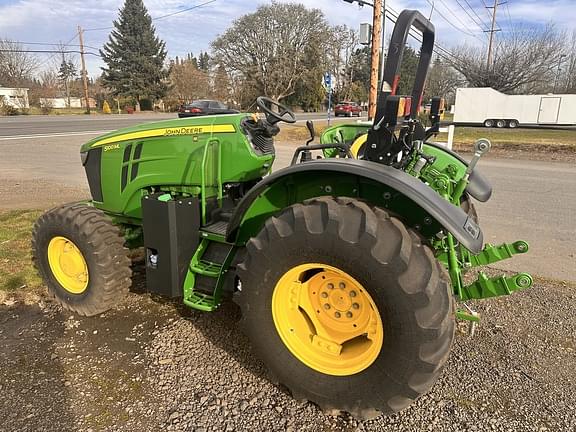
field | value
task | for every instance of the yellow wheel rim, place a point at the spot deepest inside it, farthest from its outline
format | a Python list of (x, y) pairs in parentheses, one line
[(327, 319), (68, 265), (357, 145)]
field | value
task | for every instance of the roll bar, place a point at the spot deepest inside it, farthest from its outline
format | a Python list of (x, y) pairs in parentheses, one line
[(391, 74)]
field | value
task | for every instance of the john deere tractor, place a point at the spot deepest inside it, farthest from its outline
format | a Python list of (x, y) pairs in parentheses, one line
[(347, 265)]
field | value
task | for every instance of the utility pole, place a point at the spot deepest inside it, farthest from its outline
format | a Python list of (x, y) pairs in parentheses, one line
[(378, 43), (375, 56), (84, 73), (492, 31)]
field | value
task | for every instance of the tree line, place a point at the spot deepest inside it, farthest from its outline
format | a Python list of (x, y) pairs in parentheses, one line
[(282, 51)]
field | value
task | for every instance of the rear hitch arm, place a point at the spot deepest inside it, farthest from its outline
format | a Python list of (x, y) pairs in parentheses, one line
[(485, 287)]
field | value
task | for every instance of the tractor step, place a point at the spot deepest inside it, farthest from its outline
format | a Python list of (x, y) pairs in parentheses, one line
[(206, 273), (217, 228)]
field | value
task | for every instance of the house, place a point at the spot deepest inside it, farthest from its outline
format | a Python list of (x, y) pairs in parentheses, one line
[(14, 97), (62, 102)]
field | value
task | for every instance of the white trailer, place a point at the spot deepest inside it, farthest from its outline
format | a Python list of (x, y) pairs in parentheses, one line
[(488, 107)]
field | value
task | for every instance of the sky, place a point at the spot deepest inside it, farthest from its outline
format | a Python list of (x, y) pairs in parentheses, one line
[(56, 21)]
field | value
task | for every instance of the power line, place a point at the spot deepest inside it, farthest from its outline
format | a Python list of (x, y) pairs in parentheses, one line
[(183, 10), (475, 13), (160, 17), (479, 24), (451, 23), (457, 17), (58, 52), (53, 44), (49, 51), (508, 13)]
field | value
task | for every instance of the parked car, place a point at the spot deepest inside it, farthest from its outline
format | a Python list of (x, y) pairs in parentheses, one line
[(204, 107), (348, 109)]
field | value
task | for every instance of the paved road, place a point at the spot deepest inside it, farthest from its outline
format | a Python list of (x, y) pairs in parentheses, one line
[(32, 127), (534, 201)]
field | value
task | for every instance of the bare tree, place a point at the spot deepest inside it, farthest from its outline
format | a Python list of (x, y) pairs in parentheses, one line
[(443, 80), (270, 49), (524, 61), (16, 67), (187, 81), (343, 44), (568, 80)]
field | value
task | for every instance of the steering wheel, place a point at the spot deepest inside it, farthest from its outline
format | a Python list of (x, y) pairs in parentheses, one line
[(284, 113)]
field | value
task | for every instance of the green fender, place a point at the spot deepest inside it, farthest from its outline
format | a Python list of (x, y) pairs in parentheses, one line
[(417, 204)]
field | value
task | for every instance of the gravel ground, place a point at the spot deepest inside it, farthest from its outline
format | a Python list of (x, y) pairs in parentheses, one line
[(153, 365)]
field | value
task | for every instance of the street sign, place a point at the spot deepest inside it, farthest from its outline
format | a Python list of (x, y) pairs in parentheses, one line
[(328, 81)]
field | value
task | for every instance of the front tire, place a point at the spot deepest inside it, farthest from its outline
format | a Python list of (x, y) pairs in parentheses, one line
[(81, 257), (404, 286), (489, 123)]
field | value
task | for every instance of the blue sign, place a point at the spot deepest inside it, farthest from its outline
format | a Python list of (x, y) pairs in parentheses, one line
[(328, 79)]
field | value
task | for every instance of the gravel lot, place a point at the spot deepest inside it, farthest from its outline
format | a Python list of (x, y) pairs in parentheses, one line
[(153, 365)]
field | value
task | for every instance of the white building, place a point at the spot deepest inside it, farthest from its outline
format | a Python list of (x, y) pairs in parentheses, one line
[(62, 102), (15, 97)]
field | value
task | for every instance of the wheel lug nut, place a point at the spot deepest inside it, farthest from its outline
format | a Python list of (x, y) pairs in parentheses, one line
[(342, 285), (330, 286), (326, 306), (349, 314), (355, 305), (324, 294), (337, 314), (352, 293)]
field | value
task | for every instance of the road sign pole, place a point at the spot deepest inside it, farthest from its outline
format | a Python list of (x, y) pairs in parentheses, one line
[(329, 104)]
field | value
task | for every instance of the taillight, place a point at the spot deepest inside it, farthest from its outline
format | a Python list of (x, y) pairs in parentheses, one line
[(196, 110)]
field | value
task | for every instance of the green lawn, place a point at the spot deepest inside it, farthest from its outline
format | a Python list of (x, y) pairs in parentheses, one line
[(507, 138), (16, 270)]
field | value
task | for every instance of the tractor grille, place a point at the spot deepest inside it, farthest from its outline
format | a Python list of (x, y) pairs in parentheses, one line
[(263, 145), (92, 165)]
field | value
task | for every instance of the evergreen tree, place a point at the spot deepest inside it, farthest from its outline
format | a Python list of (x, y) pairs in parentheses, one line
[(66, 74), (134, 55), (408, 70), (204, 62)]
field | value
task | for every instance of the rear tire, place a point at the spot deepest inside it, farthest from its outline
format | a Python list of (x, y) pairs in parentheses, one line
[(407, 284), (500, 124), (489, 123), (98, 244), (513, 124)]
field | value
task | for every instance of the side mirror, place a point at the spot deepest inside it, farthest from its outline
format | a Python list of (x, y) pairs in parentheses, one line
[(310, 127)]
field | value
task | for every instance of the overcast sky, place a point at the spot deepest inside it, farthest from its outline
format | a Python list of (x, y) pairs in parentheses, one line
[(53, 21)]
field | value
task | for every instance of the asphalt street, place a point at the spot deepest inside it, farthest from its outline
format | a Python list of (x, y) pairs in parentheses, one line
[(532, 200), (32, 127)]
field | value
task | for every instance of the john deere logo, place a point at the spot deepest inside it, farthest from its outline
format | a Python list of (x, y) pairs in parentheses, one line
[(188, 130)]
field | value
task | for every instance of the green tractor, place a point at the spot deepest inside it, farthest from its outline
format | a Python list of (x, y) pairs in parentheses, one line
[(346, 267)]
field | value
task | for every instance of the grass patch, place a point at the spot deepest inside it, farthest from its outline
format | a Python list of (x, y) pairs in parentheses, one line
[(518, 139), (536, 139), (16, 270)]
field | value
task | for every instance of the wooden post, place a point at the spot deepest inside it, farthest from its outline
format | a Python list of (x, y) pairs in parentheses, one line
[(375, 57), (84, 73)]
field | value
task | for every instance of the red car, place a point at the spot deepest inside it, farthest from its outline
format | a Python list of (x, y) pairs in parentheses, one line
[(348, 109)]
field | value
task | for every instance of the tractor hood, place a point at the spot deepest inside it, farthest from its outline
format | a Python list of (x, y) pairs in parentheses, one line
[(184, 126)]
